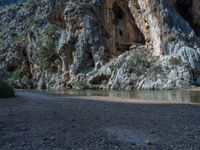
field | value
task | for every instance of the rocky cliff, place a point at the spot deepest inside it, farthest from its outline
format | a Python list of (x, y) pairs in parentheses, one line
[(107, 44)]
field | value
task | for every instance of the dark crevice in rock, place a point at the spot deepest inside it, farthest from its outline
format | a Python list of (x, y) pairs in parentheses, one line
[(89, 60), (126, 29), (57, 19), (66, 55), (118, 12), (184, 8), (86, 63), (98, 80)]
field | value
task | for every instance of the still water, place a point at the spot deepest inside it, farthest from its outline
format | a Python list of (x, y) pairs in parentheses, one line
[(177, 96)]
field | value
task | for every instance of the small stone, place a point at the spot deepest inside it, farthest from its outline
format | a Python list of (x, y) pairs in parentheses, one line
[(148, 142), (23, 128), (45, 139), (151, 131), (24, 144), (133, 144), (52, 138)]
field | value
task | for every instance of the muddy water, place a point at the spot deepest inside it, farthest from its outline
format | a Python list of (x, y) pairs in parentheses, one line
[(180, 96)]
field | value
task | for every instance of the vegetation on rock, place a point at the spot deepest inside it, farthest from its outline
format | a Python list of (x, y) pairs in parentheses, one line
[(113, 45), (81, 84), (19, 79), (176, 61), (5, 89), (44, 52)]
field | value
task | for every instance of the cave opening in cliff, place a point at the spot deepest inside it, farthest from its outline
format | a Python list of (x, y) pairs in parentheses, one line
[(186, 10), (118, 12), (84, 61), (89, 62), (126, 31)]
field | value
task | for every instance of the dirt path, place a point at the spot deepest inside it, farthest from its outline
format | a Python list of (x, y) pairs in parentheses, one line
[(38, 121)]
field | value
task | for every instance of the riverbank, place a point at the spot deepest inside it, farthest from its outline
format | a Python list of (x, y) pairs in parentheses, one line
[(195, 89), (34, 120)]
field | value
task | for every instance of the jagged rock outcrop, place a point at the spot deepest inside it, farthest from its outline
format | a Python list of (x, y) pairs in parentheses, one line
[(171, 29), (164, 23), (91, 43)]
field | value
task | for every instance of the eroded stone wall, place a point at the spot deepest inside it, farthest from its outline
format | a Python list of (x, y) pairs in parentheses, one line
[(121, 26), (99, 31), (71, 40), (160, 22)]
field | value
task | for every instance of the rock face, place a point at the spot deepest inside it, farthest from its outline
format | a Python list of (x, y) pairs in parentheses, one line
[(111, 44), (8, 2)]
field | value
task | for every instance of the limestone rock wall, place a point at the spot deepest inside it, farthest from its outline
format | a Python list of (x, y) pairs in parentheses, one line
[(99, 30), (64, 42), (165, 21)]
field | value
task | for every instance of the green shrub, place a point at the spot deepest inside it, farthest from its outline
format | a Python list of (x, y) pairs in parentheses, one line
[(16, 75), (24, 81), (20, 39), (112, 66), (5, 90), (1, 40), (40, 55), (136, 55), (81, 84), (138, 61), (130, 65), (171, 39), (175, 61), (44, 51), (49, 30)]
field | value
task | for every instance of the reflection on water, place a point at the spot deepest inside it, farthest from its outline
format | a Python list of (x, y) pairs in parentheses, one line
[(183, 96)]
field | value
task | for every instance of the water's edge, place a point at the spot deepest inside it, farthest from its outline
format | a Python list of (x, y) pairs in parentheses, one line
[(176, 96)]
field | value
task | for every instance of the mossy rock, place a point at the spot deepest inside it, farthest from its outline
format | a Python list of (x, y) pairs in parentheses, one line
[(5, 90)]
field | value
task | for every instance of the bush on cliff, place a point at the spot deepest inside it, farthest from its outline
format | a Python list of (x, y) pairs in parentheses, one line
[(5, 89), (18, 79), (44, 52)]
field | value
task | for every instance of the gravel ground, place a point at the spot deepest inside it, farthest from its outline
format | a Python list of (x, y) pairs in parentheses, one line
[(39, 121)]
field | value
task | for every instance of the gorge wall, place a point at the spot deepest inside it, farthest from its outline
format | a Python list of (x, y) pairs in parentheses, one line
[(107, 44)]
